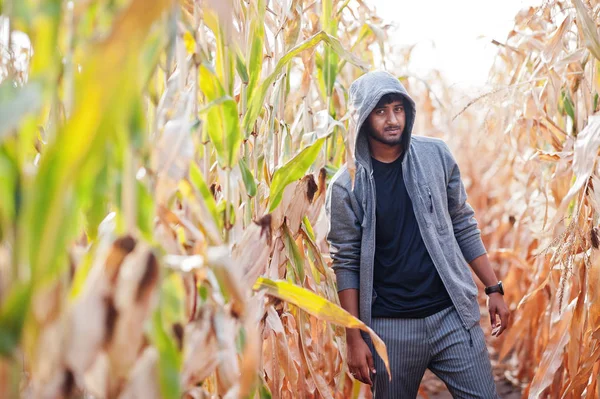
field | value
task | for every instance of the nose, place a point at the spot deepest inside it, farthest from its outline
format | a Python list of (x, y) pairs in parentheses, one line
[(392, 118)]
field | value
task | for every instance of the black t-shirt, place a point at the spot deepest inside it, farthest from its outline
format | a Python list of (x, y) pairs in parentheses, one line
[(405, 279)]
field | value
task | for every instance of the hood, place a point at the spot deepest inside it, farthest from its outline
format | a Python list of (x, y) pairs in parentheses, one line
[(365, 93)]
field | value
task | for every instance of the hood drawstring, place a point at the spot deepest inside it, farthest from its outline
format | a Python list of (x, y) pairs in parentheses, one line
[(470, 338)]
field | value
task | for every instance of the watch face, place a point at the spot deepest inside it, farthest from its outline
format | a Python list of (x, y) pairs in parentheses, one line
[(501, 287)]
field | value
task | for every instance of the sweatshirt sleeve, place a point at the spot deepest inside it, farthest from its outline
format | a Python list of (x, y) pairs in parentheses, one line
[(466, 231), (344, 237)]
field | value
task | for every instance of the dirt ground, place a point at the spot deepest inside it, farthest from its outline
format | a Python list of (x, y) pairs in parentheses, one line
[(436, 389)]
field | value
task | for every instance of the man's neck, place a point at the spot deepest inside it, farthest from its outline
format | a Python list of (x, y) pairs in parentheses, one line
[(384, 152)]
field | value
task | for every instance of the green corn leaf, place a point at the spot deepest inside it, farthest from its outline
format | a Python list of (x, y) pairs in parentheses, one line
[(145, 211), (233, 134), (12, 317), (221, 120), (230, 210), (307, 226), (294, 255), (293, 170), (213, 103), (257, 38), (248, 178), (99, 201), (169, 362), (330, 56), (172, 300), (240, 67), (9, 191), (568, 105)]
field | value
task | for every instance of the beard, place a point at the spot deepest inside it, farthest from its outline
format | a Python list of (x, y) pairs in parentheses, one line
[(375, 135)]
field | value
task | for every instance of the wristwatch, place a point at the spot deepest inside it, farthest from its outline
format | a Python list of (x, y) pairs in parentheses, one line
[(495, 288)]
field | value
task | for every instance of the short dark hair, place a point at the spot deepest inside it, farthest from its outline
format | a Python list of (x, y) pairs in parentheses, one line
[(390, 98)]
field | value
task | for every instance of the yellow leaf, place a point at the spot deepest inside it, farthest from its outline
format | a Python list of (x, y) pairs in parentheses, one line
[(320, 308)]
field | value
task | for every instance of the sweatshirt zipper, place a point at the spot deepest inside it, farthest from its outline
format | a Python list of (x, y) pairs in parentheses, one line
[(450, 293), (373, 236), (430, 200)]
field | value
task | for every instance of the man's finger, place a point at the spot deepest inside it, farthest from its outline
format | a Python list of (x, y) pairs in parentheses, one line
[(499, 328), (359, 376), (366, 375), (370, 363), (355, 371), (504, 318)]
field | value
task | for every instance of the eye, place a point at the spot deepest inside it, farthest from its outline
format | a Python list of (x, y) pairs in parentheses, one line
[(379, 112), (399, 109)]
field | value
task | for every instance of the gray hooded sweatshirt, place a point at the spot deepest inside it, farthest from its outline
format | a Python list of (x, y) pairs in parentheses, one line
[(433, 183)]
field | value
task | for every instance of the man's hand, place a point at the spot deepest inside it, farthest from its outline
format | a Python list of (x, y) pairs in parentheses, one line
[(360, 359), (498, 310)]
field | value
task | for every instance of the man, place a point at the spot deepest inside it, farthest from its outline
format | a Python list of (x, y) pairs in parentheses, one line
[(401, 235)]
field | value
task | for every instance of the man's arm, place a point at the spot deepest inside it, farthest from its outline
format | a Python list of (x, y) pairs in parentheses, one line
[(465, 227), (496, 305), (349, 301), (344, 239), (468, 236)]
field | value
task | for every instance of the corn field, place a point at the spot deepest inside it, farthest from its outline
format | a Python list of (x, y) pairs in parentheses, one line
[(542, 203), (163, 168)]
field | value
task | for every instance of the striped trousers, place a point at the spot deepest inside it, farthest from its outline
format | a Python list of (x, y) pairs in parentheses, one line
[(458, 356)]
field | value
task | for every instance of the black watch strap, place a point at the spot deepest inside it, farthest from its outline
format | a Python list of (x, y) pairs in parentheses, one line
[(495, 288)]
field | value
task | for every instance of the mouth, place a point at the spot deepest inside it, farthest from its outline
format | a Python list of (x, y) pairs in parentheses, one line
[(393, 131)]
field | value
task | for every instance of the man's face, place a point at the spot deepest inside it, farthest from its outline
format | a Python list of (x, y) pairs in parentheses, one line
[(386, 123)]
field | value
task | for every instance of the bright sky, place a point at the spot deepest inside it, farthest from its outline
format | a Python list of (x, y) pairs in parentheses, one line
[(453, 36)]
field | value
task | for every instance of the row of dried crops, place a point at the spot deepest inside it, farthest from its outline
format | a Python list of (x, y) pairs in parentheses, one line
[(535, 183), (163, 175)]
